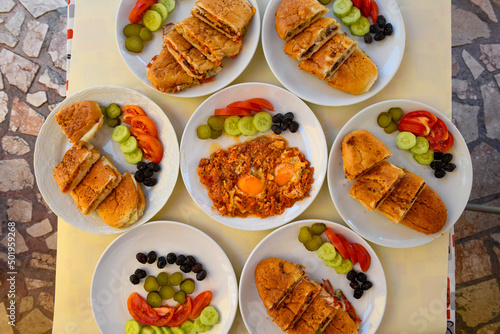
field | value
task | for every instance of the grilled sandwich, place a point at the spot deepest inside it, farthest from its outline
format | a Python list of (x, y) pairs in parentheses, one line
[(80, 121), (316, 317), (293, 16)]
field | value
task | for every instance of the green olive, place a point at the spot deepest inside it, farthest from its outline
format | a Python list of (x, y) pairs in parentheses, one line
[(162, 278), (175, 279), (150, 284), (134, 44), (167, 292), (154, 299), (187, 286), (180, 297), (132, 29)]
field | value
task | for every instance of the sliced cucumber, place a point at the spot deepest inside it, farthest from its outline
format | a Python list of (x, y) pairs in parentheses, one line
[(421, 146), (406, 140), (170, 4), (342, 7), (166, 330), (337, 261), (188, 327), (327, 251), (152, 20), (424, 159), (134, 157), (360, 28), (209, 316), (177, 330), (345, 267), (245, 124), (120, 133), (147, 330), (156, 329), (160, 8), (231, 125), (352, 17), (133, 327), (262, 121), (200, 327), (129, 145)]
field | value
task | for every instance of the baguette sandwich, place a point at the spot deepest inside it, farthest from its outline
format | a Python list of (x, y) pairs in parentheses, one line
[(80, 121), (293, 16)]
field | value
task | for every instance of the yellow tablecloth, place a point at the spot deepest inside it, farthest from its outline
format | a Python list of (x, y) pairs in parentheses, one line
[(416, 277)]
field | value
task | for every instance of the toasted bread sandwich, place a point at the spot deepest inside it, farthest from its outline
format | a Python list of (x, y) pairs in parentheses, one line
[(325, 62), (230, 17), (124, 205), (102, 178), (341, 323), (293, 16), (80, 121), (375, 185), (303, 45), (209, 41), (75, 164), (316, 317), (356, 75), (361, 150)]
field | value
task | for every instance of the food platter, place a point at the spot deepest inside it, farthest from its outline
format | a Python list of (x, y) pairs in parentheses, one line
[(310, 140), (137, 62), (283, 244), (386, 54), (51, 145), (111, 287), (373, 226)]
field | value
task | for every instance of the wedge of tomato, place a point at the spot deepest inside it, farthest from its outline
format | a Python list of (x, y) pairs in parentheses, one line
[(438, 133), (140, 310), (374, 12), (245, 105), (418, 122), (151, 148), (364, 257), (350, 249), (366, 7), (143, 125), (181, 314), (199, 303), (443, 146), (337, 243), (357, 3), (166, 314), (130, 111), (230, 111), (262, 102), (141, 6)]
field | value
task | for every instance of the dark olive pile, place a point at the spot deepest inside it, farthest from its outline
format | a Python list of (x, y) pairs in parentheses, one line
[(442, 164), (381, 29), (359, 283), (145, 173), (284, 122)]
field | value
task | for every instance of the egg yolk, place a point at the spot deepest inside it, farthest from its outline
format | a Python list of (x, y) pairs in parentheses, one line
[(283, 173), (250, 185)]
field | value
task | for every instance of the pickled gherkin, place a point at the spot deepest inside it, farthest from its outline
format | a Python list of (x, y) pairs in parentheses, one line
[(384, 119), (396, 114), (318, 228), (305, 234), (314, 244)]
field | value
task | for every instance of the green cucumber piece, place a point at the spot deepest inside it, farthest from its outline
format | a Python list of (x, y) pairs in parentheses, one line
[(133, 157), (421, 146), (361, 27), (262, 121), (199, 326), (342, 7), (147, 330), (209, 316), (177, 330), (406, 140), (327, 251), (188, 327), (245, 125), (160, 8), (133, 327), (129, 145), (352, 17), (231, 125), (345, 267), (120, 133), (426, 158), (337, 261), (166, 330), (152, 19), (170, 4), (156, 329)]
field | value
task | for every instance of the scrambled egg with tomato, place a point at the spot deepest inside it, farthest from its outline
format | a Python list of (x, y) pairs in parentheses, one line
[(260, 177)]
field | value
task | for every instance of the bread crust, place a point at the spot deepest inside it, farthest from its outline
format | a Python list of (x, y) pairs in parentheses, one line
[(341, 324), (80, 118), (428, 214), (293, 16)]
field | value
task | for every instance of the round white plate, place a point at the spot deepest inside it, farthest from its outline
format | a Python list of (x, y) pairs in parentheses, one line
[(137, 62), (310, 139), (111, 286), (51, 145), (454, 188), (386, 54), (283, 244)]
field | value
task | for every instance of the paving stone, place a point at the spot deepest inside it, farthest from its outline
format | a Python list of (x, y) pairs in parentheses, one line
[(455, 67), (36, 99), (57, 47), (473, 65), (34, 322), (491, 101), (4, 109), (486, 179), (466, 27), (43, 261), (15, 145), (490, 56), (7, 39), (478, 304), (33, 41), (24, 119), (472, 260), (5, 258), (51, 241), (497, 79), (40, 200), (40, 229), (26, 304), (46, 301), (18, 70), (463, 89), (496, 237), (15, 23), (5, 328), (53, 80), (486, 6), (1, 82), (16, 175), (39, 7), (6, 6), (465, 118), (20, 243), (19, 211), (489, 329), (33, 283)]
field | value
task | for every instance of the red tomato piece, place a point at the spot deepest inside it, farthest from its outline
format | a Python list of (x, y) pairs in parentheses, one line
[(140, 310), (143, 125), (245, 105), (141, 6), (262, 102), (364, 257), (350, 249), (337, 243), (374, 12), (366, 7), (357, 3), (130, 111), (199, 303), (438, 133), (166, 313), (417, 122), (232, 111), (443, 146), (181, 314), (151, 148)]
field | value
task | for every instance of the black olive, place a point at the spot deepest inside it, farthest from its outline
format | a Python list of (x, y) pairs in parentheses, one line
[(197, 268), (134, 279), (358, 293), (139, 176), (366, 285), (438, 155), (147, 173), (351, 276), (186, 267), (288, 116), (140, 273), (162, 262), (374, 28), (141, 257), (447, 157), (152, 257), (276, 129), (277, 118), (190, 260), (153, 166), (200, 276), (149, 181), (368, 38), (141, 165), (285, 124), (180, 260), (436, 164), (379, 36), (354, 285), (294, 126), (381, 21), (449, 167), (388, 29), (439, 173), (361, 277), (171, 258)]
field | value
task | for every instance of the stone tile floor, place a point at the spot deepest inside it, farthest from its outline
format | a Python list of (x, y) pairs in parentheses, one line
[(32, 83)]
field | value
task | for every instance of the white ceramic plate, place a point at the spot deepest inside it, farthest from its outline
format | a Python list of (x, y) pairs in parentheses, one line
[(310, 140), (454, 188), (51, 145), (111, 286), (283, 244), (386, 54), (137, 62)]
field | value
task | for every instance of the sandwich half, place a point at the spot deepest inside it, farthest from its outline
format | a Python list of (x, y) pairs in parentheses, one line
[(316, 317), (325, 62), (341, 323), (303, 45), (293, 16), (361, 150), (356, 75), (124, 205), (102, 178), (80, 121), (375, 185), (190, 58), (75, 164), (230, 17), (209, 41)]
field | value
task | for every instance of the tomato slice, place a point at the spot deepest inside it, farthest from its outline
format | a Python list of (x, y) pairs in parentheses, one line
[(439, 132), (350, 249), (374, 12), (337, 243), (151, 148), (364, 257), (130, 111), (418, 122), (233, 111), (181, 314), (199, 303), (140, 310), (366, 7), (443, 146), (166, 314), (262, 102), (245, 105), (357, 3), (141, 6), (143, 125)]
